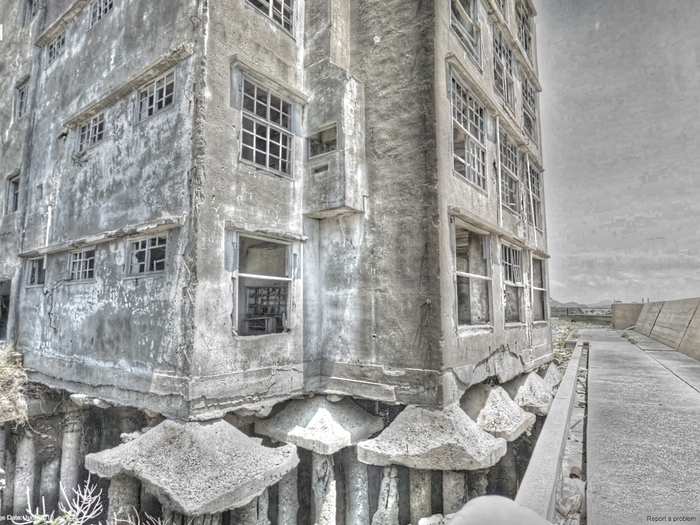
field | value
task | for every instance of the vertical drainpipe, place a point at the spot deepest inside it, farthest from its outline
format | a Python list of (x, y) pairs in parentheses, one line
[(498, 171)]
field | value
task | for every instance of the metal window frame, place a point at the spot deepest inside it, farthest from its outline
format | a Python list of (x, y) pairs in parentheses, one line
[(150, 93), (508, 159), (469, 115), (55, 48), (98, 10), (535, 191), (534, 288), (523, 17), (467, 26), (148, 249), (503, 68), (12, 195), (78, 256), (486, 240), (89, 132), (277, 15), (40, 271), (21, 96)]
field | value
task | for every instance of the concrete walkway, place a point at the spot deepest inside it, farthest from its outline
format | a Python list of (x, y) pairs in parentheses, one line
[(643, 433)]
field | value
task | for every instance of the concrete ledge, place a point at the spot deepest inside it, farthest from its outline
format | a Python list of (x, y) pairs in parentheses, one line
[(539, 487)]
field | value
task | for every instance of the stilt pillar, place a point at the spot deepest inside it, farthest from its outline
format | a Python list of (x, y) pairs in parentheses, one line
[(3, 484), (288, 499), (420, 488), (323, 487), (123, 497), (248, 515), (71, 459), (454, 491), (357, 483), (48, 484), (263, 508), (25, 467), (388, 504), (478, 483)]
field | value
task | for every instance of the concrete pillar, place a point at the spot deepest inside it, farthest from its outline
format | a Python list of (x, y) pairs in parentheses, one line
[(3, 441), (123, 497), (504, 476), (323, 488), (71, 454), (454, 491), (420, 494), (25, 466), (248, 514), (388, 504), (48, 483), (8, 495), (478, 483), (263, 508), (288, 499), (356, 489)]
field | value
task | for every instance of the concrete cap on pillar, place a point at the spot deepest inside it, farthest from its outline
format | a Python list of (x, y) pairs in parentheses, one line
[(197, 468), (552, 377), (320, 425), (531, 393), (496, 413), (433, 439)]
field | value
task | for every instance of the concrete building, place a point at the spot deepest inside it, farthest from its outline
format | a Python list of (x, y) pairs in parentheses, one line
[(226, 220)]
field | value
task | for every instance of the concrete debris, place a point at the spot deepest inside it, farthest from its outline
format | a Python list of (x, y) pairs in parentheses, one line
[(197, 468), (388, 504), (571, 498), (431, 439), (495, 412), (552, 377), (531, 393), (319, 425)]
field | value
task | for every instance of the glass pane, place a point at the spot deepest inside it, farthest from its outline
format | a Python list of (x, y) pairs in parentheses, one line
[(512, 306), (262, 257)]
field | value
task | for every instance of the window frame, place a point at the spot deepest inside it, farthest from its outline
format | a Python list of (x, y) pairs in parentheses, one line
[(91, 132), (82, 274), (36, 278), (509, 269), (144, 93), (535, 193), (31, 9), (486, 240), (13, 194), (523, 16), (97, 10), (504, 67), (467, 27), (21, 99), (129, 273), (55, 48), (530, 102), (470, 117), (270, 12), (509, 160), (318, 132), (534, 289)]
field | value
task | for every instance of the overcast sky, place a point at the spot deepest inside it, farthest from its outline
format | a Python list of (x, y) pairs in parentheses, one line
[(621, 128)]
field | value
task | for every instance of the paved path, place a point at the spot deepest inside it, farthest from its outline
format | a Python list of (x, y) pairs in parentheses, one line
[(643, 433)]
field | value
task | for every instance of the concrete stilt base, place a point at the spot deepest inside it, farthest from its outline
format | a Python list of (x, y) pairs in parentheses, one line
[(388, 504), (478, 482), (324, 489), (420, 482), (248, 515), (288, 499), (357, 504), (504, 477), (123, 494), (25, 467), (71, 460), (454, 491), (48, 484), (3, 441), (263, 508)]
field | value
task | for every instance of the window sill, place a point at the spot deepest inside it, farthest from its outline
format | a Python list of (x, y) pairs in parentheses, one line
[(515, 325), (540, 323), (145, 275), (34, 286), (470, 183), (265, 171), (72, 282), (467, 329), (238, 336)]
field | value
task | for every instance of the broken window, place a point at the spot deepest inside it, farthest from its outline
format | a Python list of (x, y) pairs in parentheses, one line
[(280, 11), (503, 68), (4, 308), (12, 195), (465, 22), (324, 141), (468, 147), (266, 138), (82, 265), (37, 271), (98, 9), (510, 183), (55, 48), (472, 263), (21, 99), (511, 261), (147, 255), (524, 16), (92, 132), (261, 286), (535, 186), (529, 108), (539, 291), (157, 95)]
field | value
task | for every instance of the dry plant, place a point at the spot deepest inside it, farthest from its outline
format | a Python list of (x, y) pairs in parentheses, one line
[(13, 406), (85, 507)]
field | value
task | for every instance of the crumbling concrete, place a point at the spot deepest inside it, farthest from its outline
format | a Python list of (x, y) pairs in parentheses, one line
[(531, 393), (495, 412)]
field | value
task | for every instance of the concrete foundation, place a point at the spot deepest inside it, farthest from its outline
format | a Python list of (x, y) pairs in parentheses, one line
[(25, 474), (323, 485), (420, 483), (454, 491)]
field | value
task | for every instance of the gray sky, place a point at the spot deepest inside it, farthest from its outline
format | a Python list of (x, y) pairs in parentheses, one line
[(621, 126)]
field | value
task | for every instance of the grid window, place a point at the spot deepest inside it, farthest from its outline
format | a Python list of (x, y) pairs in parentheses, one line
[(12, 195), (529, 108), (468, 147), (511, 262), (502, 6), (535, 185), (37, 271), (31, 8), (510, 184), (281, 11), (92, 132), (157, 95), (267, 122), (98, 9), (525, 27), (503, 68), (465, 22), (147, 255), (539, 291), (21, 99), (472, 264), (82, 265), (55, 48)]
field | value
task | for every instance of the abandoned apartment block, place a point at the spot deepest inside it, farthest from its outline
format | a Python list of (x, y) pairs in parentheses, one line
[(272, 261)]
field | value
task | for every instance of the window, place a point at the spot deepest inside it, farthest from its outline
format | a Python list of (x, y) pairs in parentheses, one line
[(266, 138), (529, 109), (525, 27), (157, 95), (511, 261), (502, 5), (278, 10), (4, 308), (261, 286), (468, 147), (91, 132), (37, 271), (535, 186), (31, 8), (147, 255), (472, 263), (55, 48), (503, 68), (21, 99), (323, 142), (12, 195), (82, 265), (465, 22), (98, 9), (510, 184), (539, 291)]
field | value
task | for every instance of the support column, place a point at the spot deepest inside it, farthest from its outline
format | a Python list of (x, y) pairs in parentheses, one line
[(420, 482), (24, 474), (248, 514), (288, 499), (123, 494), (504, 475), (3, 441), (263, 508), (48, 483), (8, 495), (323, 487), (71, 459), (454, 491), (478, 483), (388, 504), (356, 489)]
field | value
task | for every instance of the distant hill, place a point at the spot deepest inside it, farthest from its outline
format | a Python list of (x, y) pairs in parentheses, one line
[(572, 304)]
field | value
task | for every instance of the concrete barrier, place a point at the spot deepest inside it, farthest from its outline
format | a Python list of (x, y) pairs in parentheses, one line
[(673, 321), (625, 315), (690, 344), (647, 318)]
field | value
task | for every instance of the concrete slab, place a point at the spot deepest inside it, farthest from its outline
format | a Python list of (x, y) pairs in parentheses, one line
[(686, 368), (647, 318), (531, 393), (690, 345), (647, 343), (673, 321), (496, 413), (642, 454)]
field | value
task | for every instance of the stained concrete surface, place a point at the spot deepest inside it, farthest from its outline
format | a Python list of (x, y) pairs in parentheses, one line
[(642, 452)]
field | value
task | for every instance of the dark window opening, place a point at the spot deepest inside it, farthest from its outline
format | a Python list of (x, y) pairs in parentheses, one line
[(147, 255), (4, 308), (37, 272), (13, 195), (512, 283), (473, 278), (323, 142)]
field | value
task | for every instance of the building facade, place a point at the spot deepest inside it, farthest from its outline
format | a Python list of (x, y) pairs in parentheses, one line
[(261, 212)]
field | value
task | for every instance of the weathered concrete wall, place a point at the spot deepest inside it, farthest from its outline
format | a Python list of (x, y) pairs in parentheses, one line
[(625, 315), (673, 321), (690, 343), (647, 318)]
